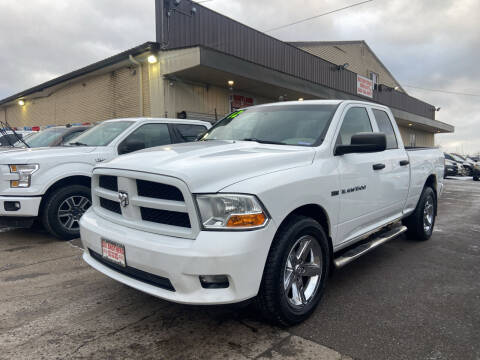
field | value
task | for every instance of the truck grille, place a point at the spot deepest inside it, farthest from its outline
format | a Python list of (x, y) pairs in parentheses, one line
[(110, 205), (174, 218), (153, 203), (158, 191), (108, 182)]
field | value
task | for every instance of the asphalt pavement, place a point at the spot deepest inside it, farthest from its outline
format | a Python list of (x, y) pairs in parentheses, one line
[(405, 300)]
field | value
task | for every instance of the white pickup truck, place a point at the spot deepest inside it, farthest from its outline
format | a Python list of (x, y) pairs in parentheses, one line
[(53, 183), (264, 206)]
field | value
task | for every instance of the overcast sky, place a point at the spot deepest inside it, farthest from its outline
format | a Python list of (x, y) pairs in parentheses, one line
[(432, 44)]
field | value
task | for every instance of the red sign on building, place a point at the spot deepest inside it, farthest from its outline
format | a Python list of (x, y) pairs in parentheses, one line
[(240, 101), (364, 86)]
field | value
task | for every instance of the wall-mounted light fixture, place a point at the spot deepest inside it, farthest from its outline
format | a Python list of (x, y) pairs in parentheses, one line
[(343, 67), (396, 88), (21, 102), (300, 99), (437, 109), (410, 124), (230, 84), (152, 59)]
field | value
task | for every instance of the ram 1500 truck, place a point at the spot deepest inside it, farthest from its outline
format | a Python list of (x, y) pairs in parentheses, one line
[(264, 206), (53, 184)]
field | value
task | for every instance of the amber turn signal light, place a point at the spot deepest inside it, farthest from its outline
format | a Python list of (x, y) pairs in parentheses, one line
[(247, 220)]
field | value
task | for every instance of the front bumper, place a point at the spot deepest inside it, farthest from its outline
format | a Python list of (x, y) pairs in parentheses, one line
[(29, 206), (240, 255)]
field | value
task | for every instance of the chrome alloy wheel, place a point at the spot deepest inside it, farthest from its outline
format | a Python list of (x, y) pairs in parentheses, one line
[(428, 214), (71, 210), (303, 271)]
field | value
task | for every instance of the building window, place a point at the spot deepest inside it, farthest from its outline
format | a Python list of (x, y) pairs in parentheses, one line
[(374, 77)]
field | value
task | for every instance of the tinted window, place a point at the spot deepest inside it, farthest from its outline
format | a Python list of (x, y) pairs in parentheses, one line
[(8, 140), (447, 156), (102, 134), (385, 126), (188, 132), (71, 135), (355, 121), (303, 125), (47, 137), (151, 135)]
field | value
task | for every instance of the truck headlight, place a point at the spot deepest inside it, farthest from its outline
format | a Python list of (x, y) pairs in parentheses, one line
[(24, 172), (231, 211)]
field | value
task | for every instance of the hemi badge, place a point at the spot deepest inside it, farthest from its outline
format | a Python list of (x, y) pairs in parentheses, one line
[(335, 193)]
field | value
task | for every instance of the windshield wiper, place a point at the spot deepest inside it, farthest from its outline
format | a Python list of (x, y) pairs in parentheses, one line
[(264, 141), (77, 143)]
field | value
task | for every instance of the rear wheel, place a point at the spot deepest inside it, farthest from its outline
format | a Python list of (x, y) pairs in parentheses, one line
[(296, 272), (475, 178), (63, 209), (421, 222)]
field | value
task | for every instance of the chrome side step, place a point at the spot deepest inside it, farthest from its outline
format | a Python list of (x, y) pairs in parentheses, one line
[(364, 248)]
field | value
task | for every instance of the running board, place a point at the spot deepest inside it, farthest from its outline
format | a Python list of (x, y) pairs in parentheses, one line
[(364, 248)]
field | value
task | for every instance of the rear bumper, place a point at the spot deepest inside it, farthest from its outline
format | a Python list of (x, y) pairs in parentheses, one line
[(239, 255), (29, 206)]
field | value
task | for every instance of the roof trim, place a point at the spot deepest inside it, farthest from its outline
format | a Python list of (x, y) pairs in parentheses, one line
[(148, 46), (350, 42)]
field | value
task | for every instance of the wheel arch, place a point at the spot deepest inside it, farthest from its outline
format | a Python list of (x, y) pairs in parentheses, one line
[(316, 212), (431, 182), (70, 180)]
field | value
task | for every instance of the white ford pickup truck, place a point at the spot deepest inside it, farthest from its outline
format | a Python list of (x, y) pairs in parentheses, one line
[(53, 183), (264, 206)]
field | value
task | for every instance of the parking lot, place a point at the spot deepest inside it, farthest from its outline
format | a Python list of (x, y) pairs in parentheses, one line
[(405, 300)]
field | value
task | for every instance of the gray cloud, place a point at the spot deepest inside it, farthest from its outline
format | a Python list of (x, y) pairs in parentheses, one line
[(431, 44)]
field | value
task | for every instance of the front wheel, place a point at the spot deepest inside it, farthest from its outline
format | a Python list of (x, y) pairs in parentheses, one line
[(295, 273), (421, 222), (63, 209)]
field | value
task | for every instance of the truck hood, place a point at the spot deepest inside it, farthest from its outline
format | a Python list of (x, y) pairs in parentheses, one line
[(209, 166), (36, 155)]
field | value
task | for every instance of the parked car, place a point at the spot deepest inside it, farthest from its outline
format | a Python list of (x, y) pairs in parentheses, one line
[(264, 205), (462, 171), (476, 172), (467, 164), (8, 137), (54, 183), (53, 136), (451, 168)]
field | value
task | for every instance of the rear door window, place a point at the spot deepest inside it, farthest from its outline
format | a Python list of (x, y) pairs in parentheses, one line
[(187, 132), (385, 126)]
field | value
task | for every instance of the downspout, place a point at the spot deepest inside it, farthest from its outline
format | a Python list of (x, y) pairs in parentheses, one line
[(140, 82)]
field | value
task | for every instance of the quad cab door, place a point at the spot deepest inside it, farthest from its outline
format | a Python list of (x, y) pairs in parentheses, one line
[(395, 176), (361, 181)]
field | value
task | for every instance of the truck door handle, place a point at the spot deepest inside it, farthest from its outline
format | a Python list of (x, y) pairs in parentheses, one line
[(404, 162), (378, 166)]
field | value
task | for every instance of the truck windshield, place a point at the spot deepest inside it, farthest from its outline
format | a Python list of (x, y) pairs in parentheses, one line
[(302, 125), (43, 138), (101, 134)]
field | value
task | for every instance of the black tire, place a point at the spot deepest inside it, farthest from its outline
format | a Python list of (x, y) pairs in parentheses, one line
[(416, 222), (273, 300), (475, 178), (58, 225)]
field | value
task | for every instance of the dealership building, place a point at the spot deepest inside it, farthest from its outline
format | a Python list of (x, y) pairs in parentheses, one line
[(203, 65)]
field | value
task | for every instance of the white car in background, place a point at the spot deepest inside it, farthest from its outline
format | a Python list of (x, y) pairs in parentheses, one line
[(53, 183)]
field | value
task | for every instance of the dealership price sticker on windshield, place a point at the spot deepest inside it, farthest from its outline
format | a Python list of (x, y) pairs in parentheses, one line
[(113, 252)]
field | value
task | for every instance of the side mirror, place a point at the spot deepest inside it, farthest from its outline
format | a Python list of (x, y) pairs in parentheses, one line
[(364, 143), (130, 145)]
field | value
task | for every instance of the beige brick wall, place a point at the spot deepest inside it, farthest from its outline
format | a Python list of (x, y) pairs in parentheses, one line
[(91, 99), (422, 138), (357, 55)]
